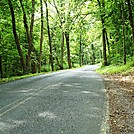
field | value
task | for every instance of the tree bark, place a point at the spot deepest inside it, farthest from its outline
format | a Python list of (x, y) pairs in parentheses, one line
[(108, 45), (131, 19), (80, 52), (68, 49), (123, 33), (41, 36), (16, 37), (31, 47), (102, 15), (28, 32), (63, 34), (49, 38), (32, 21), (93, 54), (62, 50)]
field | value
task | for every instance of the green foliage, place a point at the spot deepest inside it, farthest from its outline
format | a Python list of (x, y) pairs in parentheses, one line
[(117, 69), (81, 19)]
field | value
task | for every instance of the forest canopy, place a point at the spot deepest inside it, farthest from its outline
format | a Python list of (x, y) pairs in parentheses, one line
[(48, 35)]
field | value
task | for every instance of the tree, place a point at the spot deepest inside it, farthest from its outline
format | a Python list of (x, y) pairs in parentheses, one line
[(75, 33), (29, 32), (16, 36), (49, 37), (131, 19), (123, 31), (41, 36), (102, 15)]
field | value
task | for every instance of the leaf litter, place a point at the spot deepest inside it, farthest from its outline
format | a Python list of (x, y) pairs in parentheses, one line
[(120, 90)]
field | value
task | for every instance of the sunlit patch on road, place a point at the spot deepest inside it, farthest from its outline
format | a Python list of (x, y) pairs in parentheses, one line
[(4, 126), (9, 124), (47, 115), (86, 92), (72, 85)]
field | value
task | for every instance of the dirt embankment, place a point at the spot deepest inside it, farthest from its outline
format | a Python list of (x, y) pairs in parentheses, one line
[(120, 91)]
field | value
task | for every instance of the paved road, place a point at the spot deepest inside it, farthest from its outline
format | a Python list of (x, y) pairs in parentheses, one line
[(65, 102)]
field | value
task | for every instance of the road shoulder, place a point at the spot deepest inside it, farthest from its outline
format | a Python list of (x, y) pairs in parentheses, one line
[(120, 90)]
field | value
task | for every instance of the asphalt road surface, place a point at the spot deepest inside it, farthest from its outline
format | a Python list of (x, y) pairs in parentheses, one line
[(65, 102)]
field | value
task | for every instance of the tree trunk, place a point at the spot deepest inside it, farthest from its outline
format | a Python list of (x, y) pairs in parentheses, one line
[(62, 50), (63, 34), (123, 33), (80, 52), (93, 54), (41, 36), (49, 38), (108, 45), (29, 33), (131, 19), (16, 37), (104, 47), (68, 49), (102, 15), (32, 21), (31, 47)]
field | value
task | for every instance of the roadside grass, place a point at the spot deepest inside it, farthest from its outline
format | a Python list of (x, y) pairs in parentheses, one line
[(117, 69), (5, 80), (112, 69)]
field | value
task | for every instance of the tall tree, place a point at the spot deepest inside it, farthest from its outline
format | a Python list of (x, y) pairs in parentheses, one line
[(41, 36), (102, 15), (68, 48), (49, 37), (16, 37), (62, 50), (123, 31), (61, 19), (131, 19), (29, 32)]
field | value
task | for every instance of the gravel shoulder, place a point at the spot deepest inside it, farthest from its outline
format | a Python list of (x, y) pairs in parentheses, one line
[(120, 90)]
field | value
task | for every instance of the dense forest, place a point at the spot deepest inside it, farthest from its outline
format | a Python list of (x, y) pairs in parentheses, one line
[(48, 35)]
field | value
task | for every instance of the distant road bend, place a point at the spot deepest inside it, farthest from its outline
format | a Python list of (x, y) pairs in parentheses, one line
[(65, 102)]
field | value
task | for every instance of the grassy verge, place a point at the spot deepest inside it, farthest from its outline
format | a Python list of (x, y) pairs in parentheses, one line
[(117, 69), (5, 80)]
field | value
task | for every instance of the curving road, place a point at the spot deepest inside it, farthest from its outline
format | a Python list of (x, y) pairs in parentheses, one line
[(65, 102)]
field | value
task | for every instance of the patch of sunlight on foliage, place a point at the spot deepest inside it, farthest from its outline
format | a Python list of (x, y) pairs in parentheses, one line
[(117, 69)]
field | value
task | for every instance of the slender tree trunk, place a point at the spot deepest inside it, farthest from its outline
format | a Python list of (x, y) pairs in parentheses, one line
[(93, 54), (131, 19), (32, 22), (28, 32), (28, 36), (16, 37), (68, 49), (49, 38), (102, 15), (80, 52), (31, 47), (123, 32), (62, 50), (104, 47), (108, 45), (63, 34), (41, 36)]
